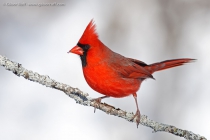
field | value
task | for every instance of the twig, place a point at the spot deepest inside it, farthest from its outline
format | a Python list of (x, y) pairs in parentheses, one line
[(84, 99)]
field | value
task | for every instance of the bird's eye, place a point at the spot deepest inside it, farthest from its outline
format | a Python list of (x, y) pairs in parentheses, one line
[(85, 47)]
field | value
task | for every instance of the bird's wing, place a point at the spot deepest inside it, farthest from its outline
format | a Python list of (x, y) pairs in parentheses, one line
[(130, 68)]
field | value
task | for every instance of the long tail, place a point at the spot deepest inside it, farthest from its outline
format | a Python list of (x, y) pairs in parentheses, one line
[(167, 64)]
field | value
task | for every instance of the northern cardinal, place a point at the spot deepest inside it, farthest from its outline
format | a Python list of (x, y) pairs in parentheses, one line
[(112, 74)]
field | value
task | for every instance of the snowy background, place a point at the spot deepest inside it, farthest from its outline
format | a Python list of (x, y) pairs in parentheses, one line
[(39, 37)]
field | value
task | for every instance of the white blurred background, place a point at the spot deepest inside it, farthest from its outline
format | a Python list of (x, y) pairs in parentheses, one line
[(151, 31)]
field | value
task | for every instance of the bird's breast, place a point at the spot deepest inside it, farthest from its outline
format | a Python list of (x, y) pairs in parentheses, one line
[(107, 81)]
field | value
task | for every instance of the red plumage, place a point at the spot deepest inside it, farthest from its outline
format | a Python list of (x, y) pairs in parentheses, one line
[(112, 74)]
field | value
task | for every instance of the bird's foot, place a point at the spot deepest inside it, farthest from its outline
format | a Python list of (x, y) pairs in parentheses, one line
[(96, 103), (137, 116)]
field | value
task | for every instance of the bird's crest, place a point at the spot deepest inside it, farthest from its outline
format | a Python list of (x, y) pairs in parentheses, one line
[(89, 36)]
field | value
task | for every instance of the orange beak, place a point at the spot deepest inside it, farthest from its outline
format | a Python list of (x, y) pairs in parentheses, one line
[(76, 50)]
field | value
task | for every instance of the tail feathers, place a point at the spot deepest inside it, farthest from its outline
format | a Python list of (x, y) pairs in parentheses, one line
[(168, 64)]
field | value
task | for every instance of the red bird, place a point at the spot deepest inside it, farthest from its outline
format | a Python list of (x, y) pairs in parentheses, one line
[(112, 74)]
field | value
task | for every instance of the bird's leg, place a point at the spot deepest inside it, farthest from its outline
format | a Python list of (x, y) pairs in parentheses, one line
[(98, 101), (137, 115)]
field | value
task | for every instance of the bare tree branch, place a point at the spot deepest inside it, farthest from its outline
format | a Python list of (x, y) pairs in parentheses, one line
[(84, 99)]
